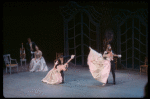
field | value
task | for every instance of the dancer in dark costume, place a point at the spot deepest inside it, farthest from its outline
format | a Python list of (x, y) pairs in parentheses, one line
[(112, 64)]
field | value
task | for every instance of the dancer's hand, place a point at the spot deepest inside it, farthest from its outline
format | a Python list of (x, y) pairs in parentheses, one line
[(72, 56), (119, 56), (105, 52), (56, 62)]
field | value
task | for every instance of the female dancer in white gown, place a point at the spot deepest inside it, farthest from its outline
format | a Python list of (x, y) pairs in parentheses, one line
[(99, 65), (54, 75), (38, 63)]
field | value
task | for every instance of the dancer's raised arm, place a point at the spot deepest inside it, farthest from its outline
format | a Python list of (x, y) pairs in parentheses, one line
[(72, 56), (119, 56)]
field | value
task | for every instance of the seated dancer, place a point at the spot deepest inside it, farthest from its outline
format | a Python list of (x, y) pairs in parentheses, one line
[(54, 75), (38, 63), (99, 65)]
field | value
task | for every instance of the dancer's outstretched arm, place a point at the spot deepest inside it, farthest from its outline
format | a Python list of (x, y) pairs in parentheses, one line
[(72, 56), (66, 64), (117, 55)]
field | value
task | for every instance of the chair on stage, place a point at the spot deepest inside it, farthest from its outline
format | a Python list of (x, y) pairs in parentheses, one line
[(57, 56), (144, 66), (8, 62), (21, 60)]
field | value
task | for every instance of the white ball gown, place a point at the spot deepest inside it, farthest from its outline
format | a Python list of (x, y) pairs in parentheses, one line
[(38, 64)]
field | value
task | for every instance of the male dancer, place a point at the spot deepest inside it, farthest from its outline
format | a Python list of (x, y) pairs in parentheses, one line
[(30, 47), (112, 64)]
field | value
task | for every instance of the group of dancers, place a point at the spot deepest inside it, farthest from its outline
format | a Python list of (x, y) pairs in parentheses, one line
[(38, 62), (99, 65)]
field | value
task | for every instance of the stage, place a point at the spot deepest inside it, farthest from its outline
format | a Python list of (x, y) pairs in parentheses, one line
[(79, 83)]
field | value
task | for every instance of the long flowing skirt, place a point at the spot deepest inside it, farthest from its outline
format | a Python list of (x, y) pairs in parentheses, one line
[(99, 67), (38, 65), (53, 77)]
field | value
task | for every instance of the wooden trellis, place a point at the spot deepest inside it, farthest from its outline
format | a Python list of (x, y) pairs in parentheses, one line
[(123, 20), (75, 9), (120, 16)]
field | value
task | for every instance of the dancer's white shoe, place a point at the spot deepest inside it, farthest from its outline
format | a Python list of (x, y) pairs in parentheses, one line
[(104, 84)]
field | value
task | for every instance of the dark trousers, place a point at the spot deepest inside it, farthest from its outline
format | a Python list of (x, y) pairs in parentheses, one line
[(62, 74), (112, 70), (28, 57)]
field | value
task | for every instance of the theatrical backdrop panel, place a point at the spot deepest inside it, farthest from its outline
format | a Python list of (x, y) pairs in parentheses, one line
[(87, 27)]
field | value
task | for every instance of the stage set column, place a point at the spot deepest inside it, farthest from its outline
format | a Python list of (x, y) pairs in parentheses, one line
[(119, 43), (82, 43), (66, 49)]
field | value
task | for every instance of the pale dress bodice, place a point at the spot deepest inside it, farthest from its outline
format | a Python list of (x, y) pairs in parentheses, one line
[(109, 58), (61, 68)]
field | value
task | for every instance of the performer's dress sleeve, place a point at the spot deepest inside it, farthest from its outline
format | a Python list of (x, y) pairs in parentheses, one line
[(98, 66), (40, 53), (43, 66)]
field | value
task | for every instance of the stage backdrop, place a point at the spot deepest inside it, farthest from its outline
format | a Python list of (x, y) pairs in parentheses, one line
[(44, 24), (83, 27)]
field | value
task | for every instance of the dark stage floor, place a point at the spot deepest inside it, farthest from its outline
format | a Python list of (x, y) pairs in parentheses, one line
[(78, 83)]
